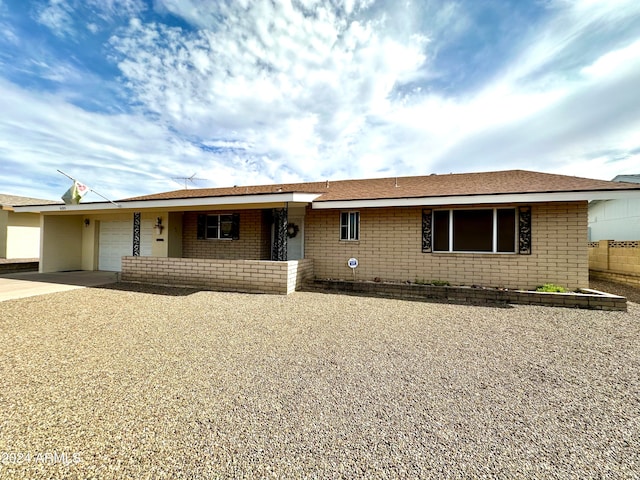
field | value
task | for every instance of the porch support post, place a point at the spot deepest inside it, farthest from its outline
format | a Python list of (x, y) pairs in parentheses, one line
[(279, 247), (136, 234)]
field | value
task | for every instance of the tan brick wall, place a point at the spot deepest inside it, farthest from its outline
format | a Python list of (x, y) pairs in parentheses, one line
[(390, 249), (615, 260), (251, 245), (251, 276)]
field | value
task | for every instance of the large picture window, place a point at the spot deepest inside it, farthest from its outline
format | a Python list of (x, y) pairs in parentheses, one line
[(349, 225), (475, 230)]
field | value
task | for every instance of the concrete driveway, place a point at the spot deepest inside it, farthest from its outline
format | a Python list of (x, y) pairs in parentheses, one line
[(29, 284)]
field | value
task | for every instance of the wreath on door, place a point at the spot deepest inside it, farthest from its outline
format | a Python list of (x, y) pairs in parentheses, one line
[(292, 230)]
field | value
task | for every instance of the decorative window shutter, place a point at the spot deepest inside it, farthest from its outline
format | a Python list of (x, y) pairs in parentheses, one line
[(426, 231), (524, 230), (202, 226), (235, 226)]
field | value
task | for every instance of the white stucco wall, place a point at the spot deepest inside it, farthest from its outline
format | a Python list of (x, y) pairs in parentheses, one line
[(61, 247), (19, 234), (614, 220)]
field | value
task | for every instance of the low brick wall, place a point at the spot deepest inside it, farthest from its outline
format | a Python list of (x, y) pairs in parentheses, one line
[(627, 278), (17, 266), (478, 296), (250, 276)]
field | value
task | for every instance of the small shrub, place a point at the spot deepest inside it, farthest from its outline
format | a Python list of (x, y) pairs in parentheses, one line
[(550, 287)]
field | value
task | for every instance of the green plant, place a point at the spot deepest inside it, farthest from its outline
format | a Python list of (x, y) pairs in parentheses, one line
[(550, 287)]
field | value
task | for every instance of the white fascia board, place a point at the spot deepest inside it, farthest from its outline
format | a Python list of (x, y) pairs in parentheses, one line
[(480, 199), (177, 203)]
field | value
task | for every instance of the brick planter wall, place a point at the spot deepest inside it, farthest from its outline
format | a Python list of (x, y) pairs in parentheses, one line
[(250, 276), (17, 266), (478, 296)]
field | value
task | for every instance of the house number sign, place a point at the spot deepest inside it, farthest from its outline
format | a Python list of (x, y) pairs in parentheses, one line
[(352, 262)]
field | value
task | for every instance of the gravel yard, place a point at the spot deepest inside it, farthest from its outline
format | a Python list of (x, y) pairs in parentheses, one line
[(142, 382)]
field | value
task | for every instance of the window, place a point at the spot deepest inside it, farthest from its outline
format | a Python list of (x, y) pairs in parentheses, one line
[(478, 230), (350, 226), (218, 227)]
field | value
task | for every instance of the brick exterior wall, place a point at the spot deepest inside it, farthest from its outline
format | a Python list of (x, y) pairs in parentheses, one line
[(390, 249), (251, 276), (254, 242)]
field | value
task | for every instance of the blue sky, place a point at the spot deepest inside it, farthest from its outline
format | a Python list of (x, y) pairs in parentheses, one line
[(126, 94)]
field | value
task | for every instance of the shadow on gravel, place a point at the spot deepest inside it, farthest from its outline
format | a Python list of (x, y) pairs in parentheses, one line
[(150, 289)]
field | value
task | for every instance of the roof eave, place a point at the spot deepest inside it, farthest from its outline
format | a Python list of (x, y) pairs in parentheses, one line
[(589, 195), (176, 203)]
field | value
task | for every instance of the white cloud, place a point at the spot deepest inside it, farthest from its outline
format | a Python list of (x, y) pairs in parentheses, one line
[(57, 16), (311, 89), (118, 155), (60, 16), (298, 87), (263, 91), (108, 9), (614, 61)]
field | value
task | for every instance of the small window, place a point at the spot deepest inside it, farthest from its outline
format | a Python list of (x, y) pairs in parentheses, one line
[(220, 227), (506, 230), (350, 226), (441, 230)]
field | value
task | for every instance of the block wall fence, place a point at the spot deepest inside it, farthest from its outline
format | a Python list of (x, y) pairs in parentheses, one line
[(615, 260), (389, 249)]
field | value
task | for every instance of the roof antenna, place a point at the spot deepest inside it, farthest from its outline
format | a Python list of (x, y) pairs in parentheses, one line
[(191, 179)]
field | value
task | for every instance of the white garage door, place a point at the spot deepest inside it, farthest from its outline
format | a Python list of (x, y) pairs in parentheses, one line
[(116, 241)]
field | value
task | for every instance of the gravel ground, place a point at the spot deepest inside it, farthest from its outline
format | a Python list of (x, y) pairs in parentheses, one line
[(135, 382), (632, 293)]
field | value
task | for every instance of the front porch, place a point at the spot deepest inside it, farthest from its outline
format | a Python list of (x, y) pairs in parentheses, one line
[(251, 245), (250, 276)]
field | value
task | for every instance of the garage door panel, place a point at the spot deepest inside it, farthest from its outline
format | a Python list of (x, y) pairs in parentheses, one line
[(116, 241)]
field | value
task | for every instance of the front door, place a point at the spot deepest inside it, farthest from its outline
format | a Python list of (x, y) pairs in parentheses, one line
[(295, 238)]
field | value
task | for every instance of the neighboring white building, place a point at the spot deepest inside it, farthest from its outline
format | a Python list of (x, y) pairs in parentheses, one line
[(19, 232), (615, 219)]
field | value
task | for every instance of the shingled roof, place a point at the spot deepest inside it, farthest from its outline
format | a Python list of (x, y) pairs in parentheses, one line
[(458, 184), (18, 201)]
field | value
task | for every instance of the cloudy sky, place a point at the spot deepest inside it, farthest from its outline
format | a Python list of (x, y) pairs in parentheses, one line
[(126, 95)]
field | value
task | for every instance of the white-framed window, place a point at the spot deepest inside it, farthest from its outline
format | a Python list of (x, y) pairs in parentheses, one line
[(219, 227), (490, 230), (349, 225)]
